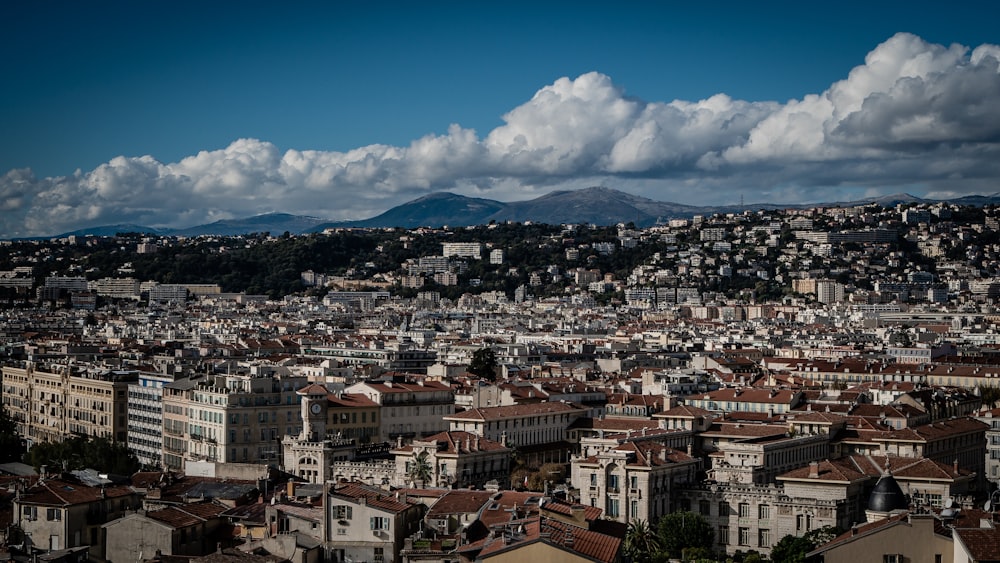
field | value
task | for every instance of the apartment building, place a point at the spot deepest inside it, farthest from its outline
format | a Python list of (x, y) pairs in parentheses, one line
[(455, 460), (229, 418), (635, 480), (55, 402), (538, 431), (63, 512), (368, 524), (389, 356), (408, 410), (462, 249), (145, 417)]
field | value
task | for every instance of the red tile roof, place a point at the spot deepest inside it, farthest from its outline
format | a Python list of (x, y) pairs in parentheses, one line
[(376, 498)]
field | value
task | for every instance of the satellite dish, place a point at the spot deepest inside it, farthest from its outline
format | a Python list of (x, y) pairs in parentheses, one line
[(987, 506), (949, 502)]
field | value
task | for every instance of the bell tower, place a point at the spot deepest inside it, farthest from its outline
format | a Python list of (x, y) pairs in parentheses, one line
[(314, 407), (308, 455)]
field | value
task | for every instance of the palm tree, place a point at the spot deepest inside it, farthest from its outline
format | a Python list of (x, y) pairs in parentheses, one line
[(641, 544), (421, 469)]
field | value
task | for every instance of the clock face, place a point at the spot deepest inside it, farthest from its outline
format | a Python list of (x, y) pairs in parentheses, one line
[(316, 408)]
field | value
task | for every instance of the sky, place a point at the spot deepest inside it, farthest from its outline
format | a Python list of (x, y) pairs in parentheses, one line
[(179, 113)]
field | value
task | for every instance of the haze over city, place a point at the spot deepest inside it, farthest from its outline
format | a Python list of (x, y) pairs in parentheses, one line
[(169, 115)]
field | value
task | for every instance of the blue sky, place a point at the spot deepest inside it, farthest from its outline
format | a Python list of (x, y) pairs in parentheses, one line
[(343, 109)]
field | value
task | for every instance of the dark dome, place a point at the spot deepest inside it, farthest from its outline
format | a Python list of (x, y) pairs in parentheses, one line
[(887, 496)]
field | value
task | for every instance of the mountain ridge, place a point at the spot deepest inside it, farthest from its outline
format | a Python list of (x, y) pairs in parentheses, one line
[(598, 205)]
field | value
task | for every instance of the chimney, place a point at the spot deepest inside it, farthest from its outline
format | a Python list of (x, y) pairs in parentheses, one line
[(814, 470), (290, 489), (954, 466)]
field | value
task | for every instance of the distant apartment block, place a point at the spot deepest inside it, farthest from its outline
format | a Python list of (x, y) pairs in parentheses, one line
[(462, 249)]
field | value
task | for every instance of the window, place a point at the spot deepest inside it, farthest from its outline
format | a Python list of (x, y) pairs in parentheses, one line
[(724, 509), (613, 483), (593, 479), (892, 558), (764, 512), (744, 536), (723, 535), (612, 510), (379, 523), (634, 509), (53, 515), (342, 512), (764, 538), (704, 508), (379, 555), (744, 511), (633, 482)]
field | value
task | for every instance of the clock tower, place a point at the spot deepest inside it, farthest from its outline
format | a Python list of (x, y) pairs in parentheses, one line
[(314, 406), (309, 454)]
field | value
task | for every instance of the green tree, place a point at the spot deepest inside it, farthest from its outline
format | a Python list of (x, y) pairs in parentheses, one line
[(100, 454), (640, 542), (791, 549), (680, 530), (11, 443), (484, 364), (421, 470)]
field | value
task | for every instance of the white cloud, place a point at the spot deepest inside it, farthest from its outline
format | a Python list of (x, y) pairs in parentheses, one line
[(915, 115)]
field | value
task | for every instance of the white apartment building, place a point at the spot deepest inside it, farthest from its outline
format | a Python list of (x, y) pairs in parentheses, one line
[(462, 249), (519, 425), (409, 410), (229, 418), (52, 403), (145, 417), (635, 480)]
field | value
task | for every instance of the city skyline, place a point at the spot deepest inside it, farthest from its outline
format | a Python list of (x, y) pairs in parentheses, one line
[(170, 118)]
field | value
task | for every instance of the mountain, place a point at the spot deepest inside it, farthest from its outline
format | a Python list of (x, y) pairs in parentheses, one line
[(434, 210), (112, 230), (595, 205)]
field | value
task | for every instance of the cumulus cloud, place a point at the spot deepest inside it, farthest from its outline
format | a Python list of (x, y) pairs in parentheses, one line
[(915, 115)]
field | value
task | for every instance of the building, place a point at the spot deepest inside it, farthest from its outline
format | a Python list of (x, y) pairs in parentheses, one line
[(229, 418), (462, 249), (368, 524), (408, 410), (145, 417), (60, 512), (454, 460), (186, 529), (55, 402), (635, 480)]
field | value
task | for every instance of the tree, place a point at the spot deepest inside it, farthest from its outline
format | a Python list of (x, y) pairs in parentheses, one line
[(11, 443), (99, 454), (640, 542), (421, 470), (793, 549), (681, 530), (484, 364)]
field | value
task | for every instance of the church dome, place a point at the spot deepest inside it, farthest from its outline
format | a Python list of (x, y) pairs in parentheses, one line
[(887, 496)]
